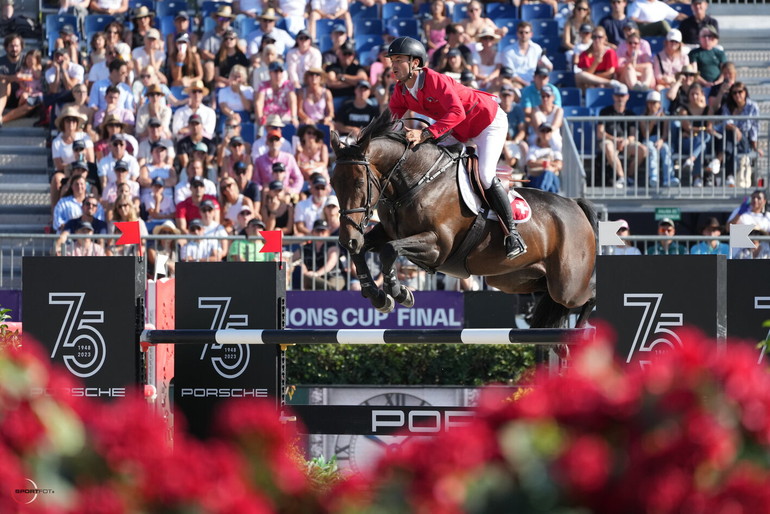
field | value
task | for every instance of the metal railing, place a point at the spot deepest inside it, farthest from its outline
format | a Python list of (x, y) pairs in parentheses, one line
[(591, 174), (14, 247)]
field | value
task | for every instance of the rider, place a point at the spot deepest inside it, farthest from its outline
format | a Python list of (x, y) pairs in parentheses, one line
[(470, 115)]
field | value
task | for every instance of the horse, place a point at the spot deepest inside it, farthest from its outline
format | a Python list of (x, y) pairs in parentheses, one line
[(421, 217)]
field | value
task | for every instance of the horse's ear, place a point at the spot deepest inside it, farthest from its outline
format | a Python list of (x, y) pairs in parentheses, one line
[(335, 140)]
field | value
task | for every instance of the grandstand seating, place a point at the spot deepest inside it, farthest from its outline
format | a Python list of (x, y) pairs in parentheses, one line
[(562, 78), (402, 27), (368, 26), (166, 25), (323, 28), (545, 29), (397, 10), (511, 23), (359, 11), (459, 12), (531, 12), (94, 23), (598, 97), (170, 7), (571, 96), (599, 10), (497, 10)]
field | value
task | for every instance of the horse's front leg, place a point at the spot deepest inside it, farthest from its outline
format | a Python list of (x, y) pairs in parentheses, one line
[(419, 248), (380, 300)]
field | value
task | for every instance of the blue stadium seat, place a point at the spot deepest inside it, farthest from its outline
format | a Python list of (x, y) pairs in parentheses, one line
[(366, 43), (545, 28), (402, 27), (338, 101), (367, 26), (94, 23), (170, 7), (682, 8), (209, 24), (134, 4), (562, 78), (393, 10), (511, 23), (598, 97), (571, 97), (583, 136), (246, 26), (575, 110), (531, 12), (599, 10), (656, 44), (54, 22), (459, 12), (323, 28), (178, 93), (497, 10), (325, 44), (209, 6), (288, 132), (359, 11), (550, 45), (558, 59), (508, 40), (637, 100), (248, 132), (166, 25)]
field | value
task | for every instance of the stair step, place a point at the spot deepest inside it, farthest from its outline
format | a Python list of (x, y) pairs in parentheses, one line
[(25, 176), (34, 198), (23, 188), (27, 219), (8, 147), (13, 131), (26, 228), (34, 161)]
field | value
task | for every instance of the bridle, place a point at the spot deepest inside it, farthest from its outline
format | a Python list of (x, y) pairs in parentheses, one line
[(368, 208)]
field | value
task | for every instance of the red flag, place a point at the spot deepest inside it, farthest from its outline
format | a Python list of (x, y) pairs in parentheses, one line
[(273, 241), (129, 233)]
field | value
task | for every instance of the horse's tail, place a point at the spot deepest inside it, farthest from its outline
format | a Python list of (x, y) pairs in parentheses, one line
[(588, 209)]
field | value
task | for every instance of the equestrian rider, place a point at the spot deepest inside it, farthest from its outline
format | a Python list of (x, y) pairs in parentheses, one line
[(470, 115)]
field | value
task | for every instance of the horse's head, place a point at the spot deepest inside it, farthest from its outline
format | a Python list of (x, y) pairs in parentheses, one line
[(356, 180)]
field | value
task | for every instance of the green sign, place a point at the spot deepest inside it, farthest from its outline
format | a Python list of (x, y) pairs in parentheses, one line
[(668, 212)]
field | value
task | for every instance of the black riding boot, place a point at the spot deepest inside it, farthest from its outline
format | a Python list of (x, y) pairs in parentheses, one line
[(498, 200)]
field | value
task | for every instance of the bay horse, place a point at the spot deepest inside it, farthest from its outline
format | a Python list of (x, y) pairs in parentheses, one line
[(422, 218)]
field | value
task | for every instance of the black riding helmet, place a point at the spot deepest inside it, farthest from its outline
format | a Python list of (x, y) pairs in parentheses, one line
[(409, 47)]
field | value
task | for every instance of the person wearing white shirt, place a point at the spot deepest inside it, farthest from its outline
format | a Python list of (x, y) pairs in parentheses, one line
[(280, 37), (179, 125), (106, 166), (524, 56), (152, 47), (63, 74), (237, 96), (653, 17), (301, 58)]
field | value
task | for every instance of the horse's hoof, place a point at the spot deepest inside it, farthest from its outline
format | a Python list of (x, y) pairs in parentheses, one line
[(390, 304), (406, 298)]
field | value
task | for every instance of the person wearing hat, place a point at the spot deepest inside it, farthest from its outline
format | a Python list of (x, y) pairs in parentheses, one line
[(180, 124), (210, 214), (531, 95), (122, 186), (544, 161), (455, 36), (314, 101), (624, 155), (143, 22), (248, 249), (118, 74), (342, 76), (329, 10), (264, 165), (276, 97), (92, 213), (154, 108), (614, 22), (670, 60), (196, 169), (259, 148), (655, 136), (276, 209), (112, 126), (454, 65), (303, 57), (181, 27), (234, 149), (267, 29), (357, 113), (311, 208), (627, 248), (711, 228), (653, 17), (550, 113), (157, 167), (118, 152), (692, 25), (468, 114), (195, 140), (113, 109), (188, 209), (158, 200), (339, 36), (211, 41), (708, 57), (71, 124), (151, 52), (319, 261), (85, 246), (679, 91), (666, 227), (184, 62), (488, 39)]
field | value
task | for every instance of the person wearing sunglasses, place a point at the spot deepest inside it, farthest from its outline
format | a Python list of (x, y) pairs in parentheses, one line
[(92, 213), (708, 57), (692, 25)]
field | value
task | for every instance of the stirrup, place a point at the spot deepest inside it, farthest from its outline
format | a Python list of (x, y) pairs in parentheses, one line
[(514, 246)]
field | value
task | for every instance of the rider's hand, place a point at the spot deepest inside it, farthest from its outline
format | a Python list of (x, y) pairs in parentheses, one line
[(416, 136)]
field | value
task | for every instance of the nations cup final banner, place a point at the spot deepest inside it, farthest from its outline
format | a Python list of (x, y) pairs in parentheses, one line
[(86, 312)]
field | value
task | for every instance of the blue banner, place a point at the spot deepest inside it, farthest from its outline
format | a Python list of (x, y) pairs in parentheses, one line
[(348, 309)]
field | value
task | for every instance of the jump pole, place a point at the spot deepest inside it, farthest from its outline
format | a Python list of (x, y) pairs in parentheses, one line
[(536, 336)]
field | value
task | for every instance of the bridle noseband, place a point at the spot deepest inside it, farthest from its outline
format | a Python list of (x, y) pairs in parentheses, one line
[(368, 208)]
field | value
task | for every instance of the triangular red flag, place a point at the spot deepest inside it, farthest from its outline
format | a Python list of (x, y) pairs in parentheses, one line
[(129, 233), (273, 241)]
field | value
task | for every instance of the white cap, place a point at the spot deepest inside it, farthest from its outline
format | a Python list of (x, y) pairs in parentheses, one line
[(653, 96), (674, 35)]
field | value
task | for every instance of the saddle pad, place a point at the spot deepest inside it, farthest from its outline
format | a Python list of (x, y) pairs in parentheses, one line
[(519, 206)]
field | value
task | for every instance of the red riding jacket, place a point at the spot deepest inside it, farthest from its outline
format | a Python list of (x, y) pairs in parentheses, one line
[(463, 110)]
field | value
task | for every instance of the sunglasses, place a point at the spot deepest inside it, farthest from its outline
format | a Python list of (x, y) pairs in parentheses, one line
[(90, 204), (118, 143), (597, 36), (737, 91), (123, 205), (145, 75), (197, 91), (303, 38), (525, 32), (230, 38), (581, 8), (708, 36)]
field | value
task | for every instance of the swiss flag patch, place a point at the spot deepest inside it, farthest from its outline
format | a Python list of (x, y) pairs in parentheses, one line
[(520, 209)]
